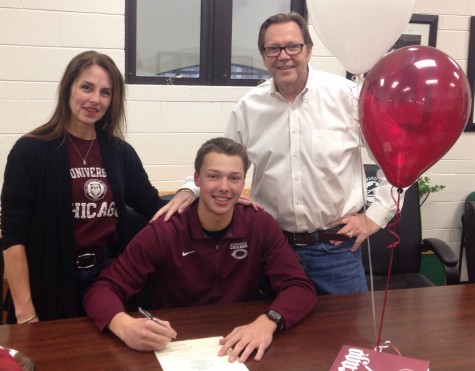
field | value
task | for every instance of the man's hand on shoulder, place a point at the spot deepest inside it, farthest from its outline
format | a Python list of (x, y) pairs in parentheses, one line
[(244, 200), (243, 340)]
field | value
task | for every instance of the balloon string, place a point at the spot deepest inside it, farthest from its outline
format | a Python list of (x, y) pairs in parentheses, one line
[(392, 228)]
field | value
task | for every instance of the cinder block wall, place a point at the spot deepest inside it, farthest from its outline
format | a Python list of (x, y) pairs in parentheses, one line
[(166, 124)]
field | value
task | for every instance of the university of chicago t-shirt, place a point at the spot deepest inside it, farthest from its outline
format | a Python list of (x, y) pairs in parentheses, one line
[(93, 207)]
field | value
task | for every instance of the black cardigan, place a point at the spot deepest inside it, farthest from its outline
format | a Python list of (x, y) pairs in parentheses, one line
[(36, 212)]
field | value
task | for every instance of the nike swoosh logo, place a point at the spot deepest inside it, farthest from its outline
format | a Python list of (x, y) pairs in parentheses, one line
[(187, 253)]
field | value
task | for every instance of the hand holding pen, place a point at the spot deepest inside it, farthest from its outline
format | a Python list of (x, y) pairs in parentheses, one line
[(150, 334), (146, 314)]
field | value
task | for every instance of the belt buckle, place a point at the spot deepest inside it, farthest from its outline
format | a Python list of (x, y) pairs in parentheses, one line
[(294, 237), (87, 255)]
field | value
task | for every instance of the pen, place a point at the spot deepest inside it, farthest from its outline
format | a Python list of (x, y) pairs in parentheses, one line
[(149, 316)]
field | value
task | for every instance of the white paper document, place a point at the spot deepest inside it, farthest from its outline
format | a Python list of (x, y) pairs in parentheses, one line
[(196, 355)]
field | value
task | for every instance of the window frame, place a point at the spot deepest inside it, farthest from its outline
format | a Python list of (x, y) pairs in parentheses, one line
[(215, 47)]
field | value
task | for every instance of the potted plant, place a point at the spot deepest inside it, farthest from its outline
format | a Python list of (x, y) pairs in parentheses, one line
[(425, 189)]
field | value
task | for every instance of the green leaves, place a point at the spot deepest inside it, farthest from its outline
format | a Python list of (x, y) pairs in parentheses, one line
[(425, 189)]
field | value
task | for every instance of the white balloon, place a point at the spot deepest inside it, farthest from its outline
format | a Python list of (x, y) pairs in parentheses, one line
[(359, 32)]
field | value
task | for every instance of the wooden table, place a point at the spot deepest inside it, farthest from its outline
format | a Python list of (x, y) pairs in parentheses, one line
[(436, 323)]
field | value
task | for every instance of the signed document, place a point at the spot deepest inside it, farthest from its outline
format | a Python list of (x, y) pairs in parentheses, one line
[(196, 355)]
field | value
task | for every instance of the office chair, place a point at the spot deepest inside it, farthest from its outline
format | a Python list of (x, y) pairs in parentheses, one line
[(1, 285), (405, 272), (138, 221), (467, 241)]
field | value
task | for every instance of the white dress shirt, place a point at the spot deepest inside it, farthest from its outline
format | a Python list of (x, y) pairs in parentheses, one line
[(308, 168)]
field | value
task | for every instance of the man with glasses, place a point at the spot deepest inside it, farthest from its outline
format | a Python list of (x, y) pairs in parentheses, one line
[(300, 132)]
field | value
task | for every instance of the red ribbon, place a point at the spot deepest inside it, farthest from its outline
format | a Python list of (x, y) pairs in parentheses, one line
[(391, 228)]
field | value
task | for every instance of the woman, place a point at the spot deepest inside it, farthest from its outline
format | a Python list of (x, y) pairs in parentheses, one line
[(64, 197)]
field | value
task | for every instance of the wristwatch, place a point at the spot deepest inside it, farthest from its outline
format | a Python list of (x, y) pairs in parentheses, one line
[(275, 317)]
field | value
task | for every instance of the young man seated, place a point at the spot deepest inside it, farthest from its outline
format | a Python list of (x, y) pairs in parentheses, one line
[(214, 252)]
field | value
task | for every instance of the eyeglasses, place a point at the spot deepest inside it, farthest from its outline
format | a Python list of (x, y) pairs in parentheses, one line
[(291, 49)]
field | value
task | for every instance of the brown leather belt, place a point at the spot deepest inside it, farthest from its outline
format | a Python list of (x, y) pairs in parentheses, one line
[(320, 235)]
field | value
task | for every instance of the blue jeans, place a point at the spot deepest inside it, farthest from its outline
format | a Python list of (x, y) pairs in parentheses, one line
[(333, 269)]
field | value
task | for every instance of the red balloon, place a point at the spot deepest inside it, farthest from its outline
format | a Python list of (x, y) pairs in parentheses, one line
[(413, 106)]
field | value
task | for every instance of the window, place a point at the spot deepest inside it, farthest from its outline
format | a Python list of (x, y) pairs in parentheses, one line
[(207, 42)]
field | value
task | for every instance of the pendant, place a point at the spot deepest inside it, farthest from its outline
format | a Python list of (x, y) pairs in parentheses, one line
[(84, 162)]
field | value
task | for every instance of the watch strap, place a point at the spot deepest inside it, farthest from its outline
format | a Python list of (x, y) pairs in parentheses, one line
[(275, 317)]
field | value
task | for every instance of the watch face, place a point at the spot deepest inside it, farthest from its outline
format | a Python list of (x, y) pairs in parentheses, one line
[(272, 314)]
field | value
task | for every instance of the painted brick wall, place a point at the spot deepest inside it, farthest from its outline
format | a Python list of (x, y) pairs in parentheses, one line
[(166, 124)]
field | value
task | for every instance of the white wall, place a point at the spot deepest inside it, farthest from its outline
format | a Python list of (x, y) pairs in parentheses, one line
[(166, 124)]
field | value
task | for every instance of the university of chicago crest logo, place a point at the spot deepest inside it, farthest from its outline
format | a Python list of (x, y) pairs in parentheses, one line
[(95, 189)]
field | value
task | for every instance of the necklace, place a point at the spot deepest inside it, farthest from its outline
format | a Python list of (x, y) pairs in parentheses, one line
[(79, 153)]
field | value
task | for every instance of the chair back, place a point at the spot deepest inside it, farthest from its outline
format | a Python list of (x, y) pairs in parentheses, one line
[(136, 221), (468, 237), (407, 255)]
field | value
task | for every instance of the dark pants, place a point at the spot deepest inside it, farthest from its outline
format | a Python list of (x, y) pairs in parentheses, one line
[(85, 278)]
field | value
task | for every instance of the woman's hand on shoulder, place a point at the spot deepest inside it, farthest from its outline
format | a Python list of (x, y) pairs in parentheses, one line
[(183, 198)]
